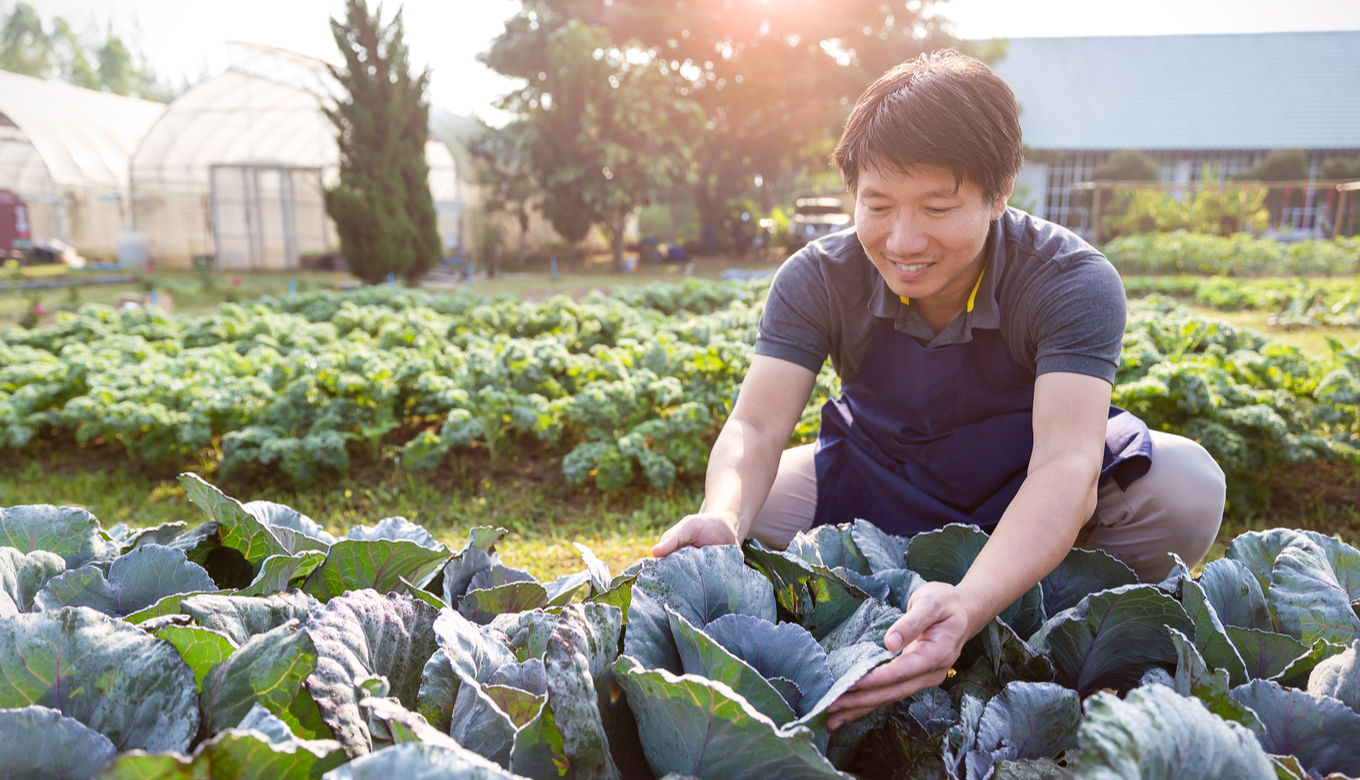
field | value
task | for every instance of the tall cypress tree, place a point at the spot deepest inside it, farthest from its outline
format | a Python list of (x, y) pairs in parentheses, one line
[(382, 206)]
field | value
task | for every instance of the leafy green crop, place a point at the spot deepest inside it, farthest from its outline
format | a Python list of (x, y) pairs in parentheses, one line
[(715, 663)]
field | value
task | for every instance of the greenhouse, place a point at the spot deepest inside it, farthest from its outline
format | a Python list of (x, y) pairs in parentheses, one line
[(235, 167), (64, 152)]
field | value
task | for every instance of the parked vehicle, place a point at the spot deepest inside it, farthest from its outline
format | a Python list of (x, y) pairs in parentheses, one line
[(814, 217)]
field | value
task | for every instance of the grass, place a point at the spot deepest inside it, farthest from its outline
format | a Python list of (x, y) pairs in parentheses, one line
[(543, 514)]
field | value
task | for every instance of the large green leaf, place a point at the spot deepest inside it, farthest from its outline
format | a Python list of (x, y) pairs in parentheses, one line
[(363, 635), (238, 529), (201, 648), (1322, 732), (261, 746), (832, 546), (135, 581), (1257, 550), (482, 605), (489, 712), (1307, 598), (420, 761), (380, 565), (280, 516), (1157, 734), (697, 727), (884, 552), (279, 573), (1195, 678), (67, 531), (569, 729), (783, 651), (22, 576), (1081, 573), (1265, 654), (395, 529), (1210, 636), (1110, 638), (1339, 677), (700, 655), (40, 742), (241, 617), (1030, 720), (268, 670), (1236, 595), (111, 676), (701, 584)]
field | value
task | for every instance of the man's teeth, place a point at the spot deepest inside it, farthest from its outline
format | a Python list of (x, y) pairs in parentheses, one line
[(910, 268)]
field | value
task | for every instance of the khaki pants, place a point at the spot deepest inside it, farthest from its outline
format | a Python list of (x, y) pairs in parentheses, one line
[(1176, 507)]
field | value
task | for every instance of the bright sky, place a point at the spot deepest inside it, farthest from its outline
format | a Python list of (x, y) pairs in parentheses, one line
[(186, 38)]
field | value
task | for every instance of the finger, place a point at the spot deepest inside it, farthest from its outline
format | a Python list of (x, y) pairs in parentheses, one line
[(877, 697), (674, 538), (842, 718), (920, 615), (914, 662)]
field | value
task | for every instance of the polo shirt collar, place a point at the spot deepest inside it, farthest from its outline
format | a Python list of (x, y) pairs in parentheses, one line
[(986, 314)]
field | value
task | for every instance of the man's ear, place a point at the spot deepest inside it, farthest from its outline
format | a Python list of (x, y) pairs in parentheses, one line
[(999, 205)]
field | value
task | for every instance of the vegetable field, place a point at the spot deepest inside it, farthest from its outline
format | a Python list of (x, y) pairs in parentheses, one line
[(622, 390), (258, 645)]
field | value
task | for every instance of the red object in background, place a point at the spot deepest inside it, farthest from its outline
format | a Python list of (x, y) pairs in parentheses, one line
[(13, 223), (235, 281)]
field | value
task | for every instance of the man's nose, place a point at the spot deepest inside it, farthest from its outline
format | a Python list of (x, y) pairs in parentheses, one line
[(906, 238)]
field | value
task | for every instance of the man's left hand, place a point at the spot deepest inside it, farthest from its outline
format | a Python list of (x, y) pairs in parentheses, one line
[(930, 636)]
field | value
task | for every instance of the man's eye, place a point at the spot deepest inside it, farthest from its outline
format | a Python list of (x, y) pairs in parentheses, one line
[(939, 212)]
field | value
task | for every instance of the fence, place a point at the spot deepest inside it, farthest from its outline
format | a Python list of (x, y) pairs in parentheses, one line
[(1325, 211)]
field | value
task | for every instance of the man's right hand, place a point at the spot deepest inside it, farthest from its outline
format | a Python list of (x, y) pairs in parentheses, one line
[(698, 530)]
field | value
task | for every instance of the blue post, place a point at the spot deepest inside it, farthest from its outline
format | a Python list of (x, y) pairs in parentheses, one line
[(391, 278), (470, 271), (292, 287), (151, 298), (552, 264)]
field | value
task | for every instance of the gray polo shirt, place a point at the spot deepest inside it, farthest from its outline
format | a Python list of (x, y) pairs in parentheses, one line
[(1058, 303)]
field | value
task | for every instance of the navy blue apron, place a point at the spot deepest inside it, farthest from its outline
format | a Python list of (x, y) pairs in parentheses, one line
[(922, 437)]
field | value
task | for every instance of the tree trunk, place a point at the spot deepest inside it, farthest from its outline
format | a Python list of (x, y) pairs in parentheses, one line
[(618, 221)]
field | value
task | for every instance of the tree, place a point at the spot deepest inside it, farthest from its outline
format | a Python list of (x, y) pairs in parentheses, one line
[(604, 130), (1127, 165), (69, 56), (116, 71), (503, 174), (24, 45), (382, 207), (774, 80)]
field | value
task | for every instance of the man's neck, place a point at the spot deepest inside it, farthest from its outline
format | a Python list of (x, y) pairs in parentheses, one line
[(945, 306)]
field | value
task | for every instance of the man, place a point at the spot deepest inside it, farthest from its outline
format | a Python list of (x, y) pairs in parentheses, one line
[(977, 348)]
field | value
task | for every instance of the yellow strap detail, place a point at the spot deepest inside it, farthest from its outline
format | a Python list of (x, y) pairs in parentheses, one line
[(971, 296)]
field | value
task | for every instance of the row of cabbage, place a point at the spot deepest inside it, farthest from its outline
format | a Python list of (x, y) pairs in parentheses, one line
[(624, 390), (1287, 301), (259, 645), (1180, 252)]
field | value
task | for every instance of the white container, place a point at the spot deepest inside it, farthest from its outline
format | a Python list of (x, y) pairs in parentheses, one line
[(131, 248)]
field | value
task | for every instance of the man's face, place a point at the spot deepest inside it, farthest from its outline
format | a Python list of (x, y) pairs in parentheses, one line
[(922, 232)]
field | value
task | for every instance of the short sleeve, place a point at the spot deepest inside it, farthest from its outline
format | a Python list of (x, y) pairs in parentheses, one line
[(1078, 319), (796, 323)]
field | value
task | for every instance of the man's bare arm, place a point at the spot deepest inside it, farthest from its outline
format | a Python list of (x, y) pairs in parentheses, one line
[(745, 457), (1034, 534)]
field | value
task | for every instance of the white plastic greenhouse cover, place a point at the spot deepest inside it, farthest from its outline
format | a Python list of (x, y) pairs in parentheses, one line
[(265, 110), (66, 151)]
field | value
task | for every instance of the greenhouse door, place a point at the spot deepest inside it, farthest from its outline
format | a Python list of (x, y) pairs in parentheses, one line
[(257, 211)]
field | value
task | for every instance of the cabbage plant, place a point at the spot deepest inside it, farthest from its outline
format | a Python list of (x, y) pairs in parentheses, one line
[(257, 644)]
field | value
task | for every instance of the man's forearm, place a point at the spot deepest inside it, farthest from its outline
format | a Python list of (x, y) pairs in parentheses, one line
[(741, 470), (1032, 538)]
